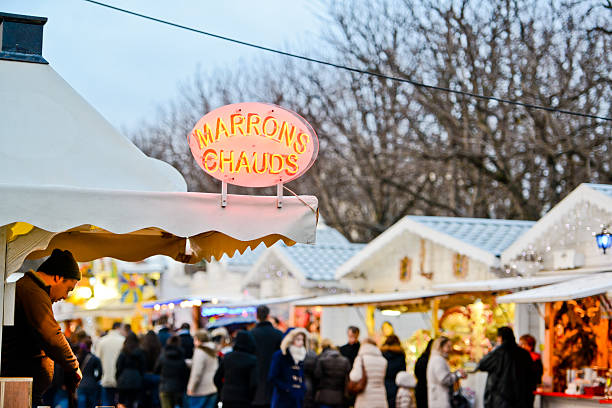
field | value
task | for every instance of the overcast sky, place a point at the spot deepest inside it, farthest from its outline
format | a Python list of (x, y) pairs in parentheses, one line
[(126, 66)]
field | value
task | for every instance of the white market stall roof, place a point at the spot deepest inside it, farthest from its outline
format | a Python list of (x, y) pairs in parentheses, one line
[(353, 299), (258, 302), (587, 285), (310, 264), (69, 180), (479, 238), (598, 195), (493, 285)]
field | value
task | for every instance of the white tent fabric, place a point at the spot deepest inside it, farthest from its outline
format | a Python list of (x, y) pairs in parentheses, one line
[(492, 285), (344, 299), (588, 285), (78, 184)]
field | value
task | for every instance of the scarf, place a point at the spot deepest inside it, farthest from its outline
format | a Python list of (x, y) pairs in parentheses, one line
[(298, 353)]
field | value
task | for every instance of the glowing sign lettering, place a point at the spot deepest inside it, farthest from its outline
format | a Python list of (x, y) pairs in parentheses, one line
[(253, 144)]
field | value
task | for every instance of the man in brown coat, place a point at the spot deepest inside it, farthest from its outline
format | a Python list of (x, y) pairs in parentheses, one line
[(36, 341)]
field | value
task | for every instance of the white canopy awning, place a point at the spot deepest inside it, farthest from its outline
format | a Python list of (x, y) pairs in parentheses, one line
[(587, 285), (493, 285), (69, 180), (133, 225), (354, 299)]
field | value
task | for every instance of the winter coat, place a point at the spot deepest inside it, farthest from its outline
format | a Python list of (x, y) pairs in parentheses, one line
[(203, 368), (331, 371), (350, 351), (130, 370), (236, 377), (267, 341), (32, 345), (186, 343), (310, 380), (420, 372), (511, 377), (108, 349), (440, 381), (287, 376), (91, 367), (163, 335), (405, 382), (374, 395), (396, 362), (172, 369)]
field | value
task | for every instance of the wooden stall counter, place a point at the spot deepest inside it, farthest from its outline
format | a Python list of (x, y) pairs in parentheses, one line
[(15, 392), (562, 400)]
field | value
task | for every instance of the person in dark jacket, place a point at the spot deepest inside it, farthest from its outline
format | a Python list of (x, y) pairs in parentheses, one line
[(528, 342), (173, 372), (351, 348), (32, 345), (186, 340), (152, 348), (89, 390), (267, 341), (511, 380), (420, 372), (310, 362), (287, 370), (131, 365), (236, 378), (396, 361), (331, 371)]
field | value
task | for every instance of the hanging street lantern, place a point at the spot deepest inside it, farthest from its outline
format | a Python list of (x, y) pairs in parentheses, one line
[(604, 238)]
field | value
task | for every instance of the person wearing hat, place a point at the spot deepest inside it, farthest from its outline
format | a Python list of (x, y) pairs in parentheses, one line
[(32, 345)]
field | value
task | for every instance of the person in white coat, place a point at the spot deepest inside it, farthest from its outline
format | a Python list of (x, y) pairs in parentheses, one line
[(201, 390), (405, 382), (370, 357), (440, 380), (108, 349)]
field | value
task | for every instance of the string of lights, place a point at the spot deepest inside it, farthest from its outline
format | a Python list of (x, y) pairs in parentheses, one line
[(356, 70)]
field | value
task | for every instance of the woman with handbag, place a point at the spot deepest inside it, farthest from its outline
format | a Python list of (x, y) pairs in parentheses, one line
[(367, 378), (440, 380)]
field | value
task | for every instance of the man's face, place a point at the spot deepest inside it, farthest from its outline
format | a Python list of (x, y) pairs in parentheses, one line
[(352, 337), (61, 287)]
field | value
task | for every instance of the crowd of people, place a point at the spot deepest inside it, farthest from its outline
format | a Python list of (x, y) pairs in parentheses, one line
[(264, 367), (261, 367)]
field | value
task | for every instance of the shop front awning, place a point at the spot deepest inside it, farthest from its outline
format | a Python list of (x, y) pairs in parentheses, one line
[(494, 285), (258, 302), (133, 225), (584, 286), (358, 299)]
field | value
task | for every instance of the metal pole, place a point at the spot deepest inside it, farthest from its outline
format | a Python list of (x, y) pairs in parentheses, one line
[(3, 248)]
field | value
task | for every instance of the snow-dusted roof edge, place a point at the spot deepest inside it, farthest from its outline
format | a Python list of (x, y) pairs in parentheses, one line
[(415, 227), (277, 251), (583, 192)]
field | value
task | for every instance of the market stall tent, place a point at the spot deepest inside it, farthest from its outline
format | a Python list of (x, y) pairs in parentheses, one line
[(69, 180)]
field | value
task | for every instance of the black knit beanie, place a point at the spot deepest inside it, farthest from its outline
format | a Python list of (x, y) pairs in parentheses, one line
[(61, 263)]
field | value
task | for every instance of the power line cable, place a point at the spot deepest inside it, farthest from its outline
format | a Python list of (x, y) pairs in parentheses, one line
[(356, 70)]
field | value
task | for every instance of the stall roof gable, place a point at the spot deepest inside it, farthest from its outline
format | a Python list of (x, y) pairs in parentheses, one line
[(316, 262), (599, 195), (51, 136), (479, 238)]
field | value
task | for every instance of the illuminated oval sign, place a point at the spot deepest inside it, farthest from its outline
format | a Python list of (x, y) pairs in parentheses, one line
[(254, 144)]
